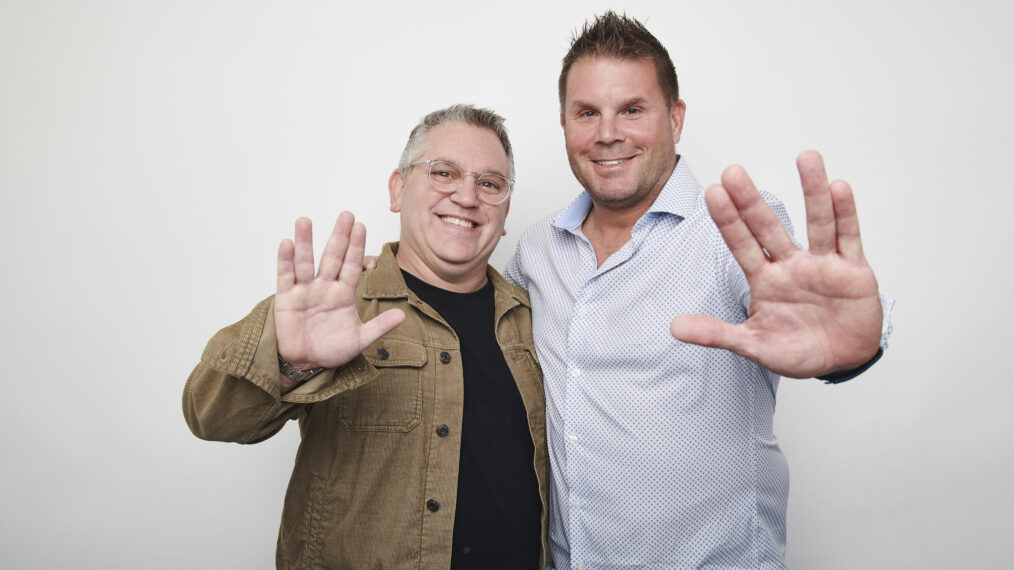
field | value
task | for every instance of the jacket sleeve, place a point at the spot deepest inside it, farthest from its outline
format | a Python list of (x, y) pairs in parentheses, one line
[(234, 394)]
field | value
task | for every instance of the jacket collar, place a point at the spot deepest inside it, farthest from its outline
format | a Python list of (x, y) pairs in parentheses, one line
[(386, 282)]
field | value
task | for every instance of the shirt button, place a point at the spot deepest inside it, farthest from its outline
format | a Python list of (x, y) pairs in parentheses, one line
[(432, 505), (576, 503), (572, 438), (580, 566), (582, 311), (382, 353), (442, 430), (445, 357), (575, 372)]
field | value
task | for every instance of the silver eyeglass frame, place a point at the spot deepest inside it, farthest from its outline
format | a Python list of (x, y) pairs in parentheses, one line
[(442, 188)]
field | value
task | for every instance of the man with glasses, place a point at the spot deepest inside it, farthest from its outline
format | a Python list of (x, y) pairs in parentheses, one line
[(423, 441)]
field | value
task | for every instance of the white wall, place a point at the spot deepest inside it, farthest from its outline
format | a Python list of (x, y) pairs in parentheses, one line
[(152, 155)]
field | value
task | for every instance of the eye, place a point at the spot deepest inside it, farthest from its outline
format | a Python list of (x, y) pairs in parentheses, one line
[(444, 173), (632, 111), (493, 184)]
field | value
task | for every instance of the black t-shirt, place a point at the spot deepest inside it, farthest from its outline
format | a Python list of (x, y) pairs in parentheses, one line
[(496, 522)]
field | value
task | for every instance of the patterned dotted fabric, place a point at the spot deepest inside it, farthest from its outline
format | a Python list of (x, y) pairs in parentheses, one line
[(663, 454)]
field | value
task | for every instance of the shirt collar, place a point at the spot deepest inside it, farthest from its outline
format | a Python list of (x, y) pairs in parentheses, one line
[(678, 197)]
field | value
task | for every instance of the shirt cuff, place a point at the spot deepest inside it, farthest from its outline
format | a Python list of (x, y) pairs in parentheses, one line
[(846, 375)]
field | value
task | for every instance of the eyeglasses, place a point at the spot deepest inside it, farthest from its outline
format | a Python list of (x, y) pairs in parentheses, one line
[(446, 177)]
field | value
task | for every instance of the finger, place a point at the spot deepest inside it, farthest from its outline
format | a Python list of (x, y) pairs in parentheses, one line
[(303, 257), (710, 332), (850, 245), (759, 217), (820, 215), (737, 236), (380, 325), (352, 268), (286, 273), (334, 252), (370, 262)]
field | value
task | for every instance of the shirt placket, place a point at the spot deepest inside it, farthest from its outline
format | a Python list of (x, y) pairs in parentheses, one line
[(577, 412)]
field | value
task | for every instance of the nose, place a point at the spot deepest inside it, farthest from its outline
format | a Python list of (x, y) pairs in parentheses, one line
[(608, 131), (467, 194)]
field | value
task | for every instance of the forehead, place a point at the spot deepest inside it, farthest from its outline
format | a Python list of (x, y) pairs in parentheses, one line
[(599, 79), (471, 147)]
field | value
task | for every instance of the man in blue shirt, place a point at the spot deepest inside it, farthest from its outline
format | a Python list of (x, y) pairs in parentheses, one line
[(660, 433)]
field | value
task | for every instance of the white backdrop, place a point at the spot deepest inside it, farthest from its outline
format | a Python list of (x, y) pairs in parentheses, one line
[(152, 155)]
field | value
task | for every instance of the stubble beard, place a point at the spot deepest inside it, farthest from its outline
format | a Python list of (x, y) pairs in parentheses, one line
[(617, 199)]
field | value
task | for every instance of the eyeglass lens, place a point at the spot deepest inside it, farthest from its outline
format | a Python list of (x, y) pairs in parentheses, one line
[(492, 187)]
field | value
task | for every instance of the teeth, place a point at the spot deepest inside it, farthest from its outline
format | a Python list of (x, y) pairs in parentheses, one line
[(610, 162), (457, 222)]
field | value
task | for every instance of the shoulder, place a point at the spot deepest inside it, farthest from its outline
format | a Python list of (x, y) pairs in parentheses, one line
[(779, 209), (505, 290), (539, 231), (385, 282), (536, 243)]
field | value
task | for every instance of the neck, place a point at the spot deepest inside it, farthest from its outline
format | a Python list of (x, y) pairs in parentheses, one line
[(452, 278), (608, 226), (609, 219)]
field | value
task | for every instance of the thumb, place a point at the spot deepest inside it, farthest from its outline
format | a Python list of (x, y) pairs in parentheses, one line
[(708, 331), (380, 325)]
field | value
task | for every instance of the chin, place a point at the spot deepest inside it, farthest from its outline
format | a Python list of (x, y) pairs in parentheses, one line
[(458, 256), (612, 195)]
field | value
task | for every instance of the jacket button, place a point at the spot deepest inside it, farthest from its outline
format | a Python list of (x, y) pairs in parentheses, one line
[(445, 357), (442, 430), (382, 353), (432, 505)]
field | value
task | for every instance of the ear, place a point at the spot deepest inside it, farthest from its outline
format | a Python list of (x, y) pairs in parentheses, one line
[(677, 112), (396, 186)]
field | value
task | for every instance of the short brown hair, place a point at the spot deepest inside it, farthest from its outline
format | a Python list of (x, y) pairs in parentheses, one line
[(620, 37)]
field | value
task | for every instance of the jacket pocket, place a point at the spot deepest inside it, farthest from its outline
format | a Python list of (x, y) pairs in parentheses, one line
[(393, 400)]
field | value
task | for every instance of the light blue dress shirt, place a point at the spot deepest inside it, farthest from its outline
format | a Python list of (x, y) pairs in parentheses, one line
[(662, 453)]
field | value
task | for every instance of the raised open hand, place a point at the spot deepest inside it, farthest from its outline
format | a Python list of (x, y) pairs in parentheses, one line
[(316, 322), (812, 312)]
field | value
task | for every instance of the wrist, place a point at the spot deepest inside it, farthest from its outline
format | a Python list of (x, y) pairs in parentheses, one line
[(846, 375), (298, 372)]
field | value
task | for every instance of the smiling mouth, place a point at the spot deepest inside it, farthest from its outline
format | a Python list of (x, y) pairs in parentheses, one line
[(613, 162), (457, 221)]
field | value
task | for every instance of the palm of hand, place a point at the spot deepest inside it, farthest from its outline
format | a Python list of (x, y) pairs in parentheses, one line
[(316, 320), (811, 312)]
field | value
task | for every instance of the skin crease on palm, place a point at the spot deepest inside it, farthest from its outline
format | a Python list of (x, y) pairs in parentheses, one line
[(812, 312)]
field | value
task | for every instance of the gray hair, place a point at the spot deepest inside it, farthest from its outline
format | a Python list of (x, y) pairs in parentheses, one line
[(483, 118)]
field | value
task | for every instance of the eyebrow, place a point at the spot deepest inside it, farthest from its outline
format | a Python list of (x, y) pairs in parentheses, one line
[(637, 101), (634, 102)]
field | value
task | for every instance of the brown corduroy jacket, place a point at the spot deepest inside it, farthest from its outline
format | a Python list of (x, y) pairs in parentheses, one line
[(375, 481)]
